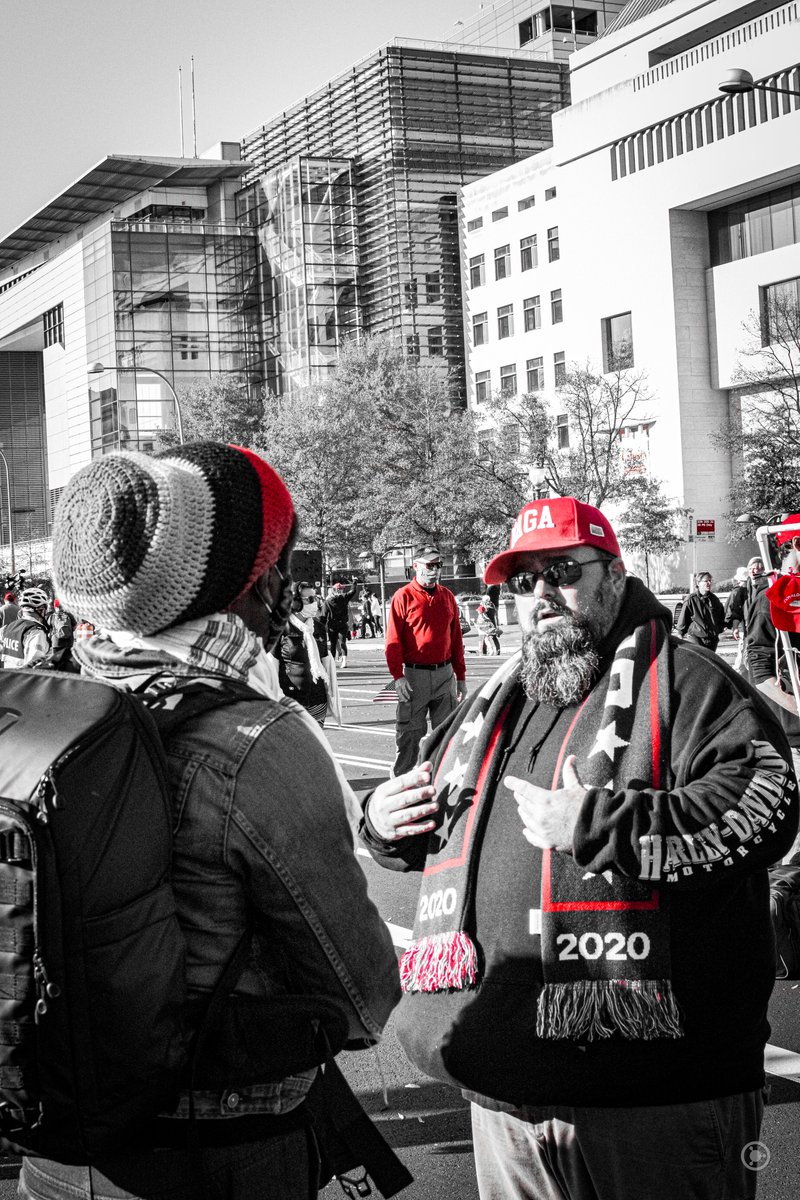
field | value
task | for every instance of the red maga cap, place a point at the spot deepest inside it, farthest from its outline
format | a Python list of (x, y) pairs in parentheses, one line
[(784, 603), (556, 524), (786, 536)]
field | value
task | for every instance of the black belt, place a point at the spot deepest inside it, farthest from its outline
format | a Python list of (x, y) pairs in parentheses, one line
[(176, 1133), (427, 666)]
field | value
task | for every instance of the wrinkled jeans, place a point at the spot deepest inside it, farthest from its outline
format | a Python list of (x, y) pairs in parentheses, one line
[(278, 1168), (699, 1151)]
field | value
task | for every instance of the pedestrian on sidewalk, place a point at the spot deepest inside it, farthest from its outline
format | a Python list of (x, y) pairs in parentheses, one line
[(337, 614), (702, 617), (488, 632), (306, 671), (595, 850), (425, 655)]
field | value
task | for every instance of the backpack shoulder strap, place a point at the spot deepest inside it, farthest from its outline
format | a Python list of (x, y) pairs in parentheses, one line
[(172, 703)]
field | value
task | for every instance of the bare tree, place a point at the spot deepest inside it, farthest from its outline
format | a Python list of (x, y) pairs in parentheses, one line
[(763, 434)]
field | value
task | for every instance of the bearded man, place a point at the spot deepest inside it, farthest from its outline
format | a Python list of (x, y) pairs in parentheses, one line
[(592, 954)]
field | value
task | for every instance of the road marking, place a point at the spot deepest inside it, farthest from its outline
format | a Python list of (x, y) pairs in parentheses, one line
[(422, 1114), (400, 936), (352, 760), (782, 1062), (375, 732)]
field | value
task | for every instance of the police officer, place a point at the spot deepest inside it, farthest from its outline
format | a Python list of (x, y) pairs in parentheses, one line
[(26, 642)]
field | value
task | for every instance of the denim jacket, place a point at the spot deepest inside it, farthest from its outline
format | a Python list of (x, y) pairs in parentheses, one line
[(262, 833)]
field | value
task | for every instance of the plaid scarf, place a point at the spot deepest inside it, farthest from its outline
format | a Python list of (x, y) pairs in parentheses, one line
[(604, 939), (218, 645)]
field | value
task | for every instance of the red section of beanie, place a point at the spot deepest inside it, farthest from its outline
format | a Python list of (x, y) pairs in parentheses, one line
[(277, 513)]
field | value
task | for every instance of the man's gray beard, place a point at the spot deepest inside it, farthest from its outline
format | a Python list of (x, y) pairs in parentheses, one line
[(560, 665)]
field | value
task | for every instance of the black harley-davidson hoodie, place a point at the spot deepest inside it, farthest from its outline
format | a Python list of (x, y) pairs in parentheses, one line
[(484, 1040)]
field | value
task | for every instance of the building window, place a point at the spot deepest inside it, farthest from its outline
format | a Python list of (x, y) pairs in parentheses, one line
[(550, 193), (483, 385), (433, 287), (780, 311), (53, 323), (480, 329), (535, 374), (435, 342), (560, 368), (508, 379), (617, 342), (526, 31), (532, 310), (529, 255), (562, 431), (526, 202), (477, 271), (502, 262), (410, 294), (553, 248), (556, 307), (475, 223), (509, 439), (500, 214), (412, 346), (505, 321), (485, 444), (765, 222)]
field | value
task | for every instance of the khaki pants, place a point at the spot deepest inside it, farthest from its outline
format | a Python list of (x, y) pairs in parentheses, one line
[(432, 692), (704, 1150)]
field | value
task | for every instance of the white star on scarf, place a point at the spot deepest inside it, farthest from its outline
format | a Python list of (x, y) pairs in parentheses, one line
[(472, 728), (607, 741), (607, 875), (455, 776)]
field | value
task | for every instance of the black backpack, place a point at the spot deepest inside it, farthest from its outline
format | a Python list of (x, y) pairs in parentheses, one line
[(92, 959), (784, 901)]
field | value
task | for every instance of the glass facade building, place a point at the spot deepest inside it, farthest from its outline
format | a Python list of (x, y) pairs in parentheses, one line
[(408, 125), (305, 215), (172, 298), (22, 440)]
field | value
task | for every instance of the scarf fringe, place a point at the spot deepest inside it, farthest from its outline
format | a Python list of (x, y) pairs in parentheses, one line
[(439, 962), (642, 1009)]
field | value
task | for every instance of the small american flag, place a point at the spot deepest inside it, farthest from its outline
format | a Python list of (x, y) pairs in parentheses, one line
[(387, 694)]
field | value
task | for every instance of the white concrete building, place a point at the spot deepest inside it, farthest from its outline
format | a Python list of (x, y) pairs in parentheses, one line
[(677, 209)]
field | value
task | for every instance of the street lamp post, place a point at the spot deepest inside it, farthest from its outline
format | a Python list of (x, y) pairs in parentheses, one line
[(10, 515), (738, 82), (97, 368)]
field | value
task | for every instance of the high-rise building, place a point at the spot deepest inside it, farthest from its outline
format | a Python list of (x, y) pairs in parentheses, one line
[(659, 234), (354, 195)]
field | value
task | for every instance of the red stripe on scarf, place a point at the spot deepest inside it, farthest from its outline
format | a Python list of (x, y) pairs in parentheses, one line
[(476, 799), (549, 905), (655, 730)]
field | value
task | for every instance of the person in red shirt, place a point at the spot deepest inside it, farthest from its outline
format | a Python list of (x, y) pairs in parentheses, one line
[(425, 655)]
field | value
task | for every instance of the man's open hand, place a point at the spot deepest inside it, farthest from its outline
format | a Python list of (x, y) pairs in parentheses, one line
[(404, 806), (549, 817)]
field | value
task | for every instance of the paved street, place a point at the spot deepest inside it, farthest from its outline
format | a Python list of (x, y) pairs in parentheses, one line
[(429, 1123)]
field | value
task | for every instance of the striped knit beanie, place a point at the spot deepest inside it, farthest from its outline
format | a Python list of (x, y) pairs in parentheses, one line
[(142, 543)]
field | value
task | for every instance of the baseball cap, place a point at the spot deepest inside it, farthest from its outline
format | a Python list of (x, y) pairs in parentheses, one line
[(425, 552), (787, 535), (784, 603), (556, 524)]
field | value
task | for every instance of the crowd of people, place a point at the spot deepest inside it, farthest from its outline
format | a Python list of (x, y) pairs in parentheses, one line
[(592, 828)]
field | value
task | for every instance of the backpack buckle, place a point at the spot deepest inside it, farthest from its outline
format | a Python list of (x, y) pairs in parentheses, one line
[(355, 1187)]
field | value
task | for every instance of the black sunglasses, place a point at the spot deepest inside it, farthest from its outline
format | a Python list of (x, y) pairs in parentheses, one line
[(558, 573)]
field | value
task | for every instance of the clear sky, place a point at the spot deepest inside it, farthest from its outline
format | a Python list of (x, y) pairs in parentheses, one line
[(81, 79)]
